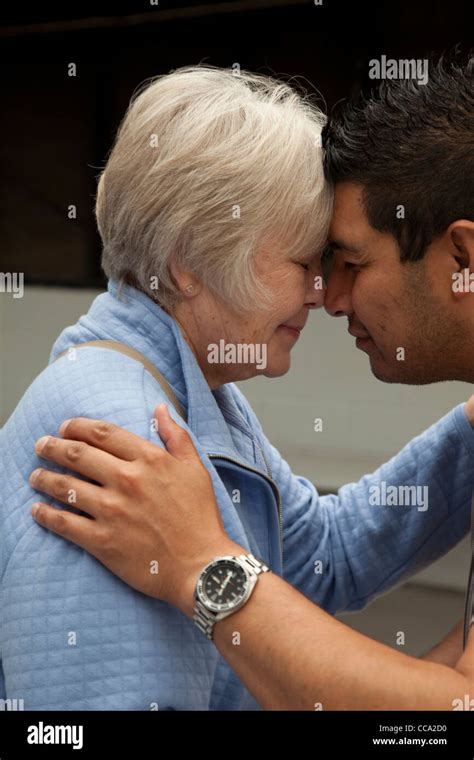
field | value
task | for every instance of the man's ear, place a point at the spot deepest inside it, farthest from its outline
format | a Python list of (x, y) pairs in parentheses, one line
[(461, 235)]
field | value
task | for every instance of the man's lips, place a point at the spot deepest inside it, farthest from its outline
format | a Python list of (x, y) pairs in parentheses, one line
[(363, 339), (358, 333)]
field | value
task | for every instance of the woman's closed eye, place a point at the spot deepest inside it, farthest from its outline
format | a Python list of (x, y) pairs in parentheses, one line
[(306, 264)]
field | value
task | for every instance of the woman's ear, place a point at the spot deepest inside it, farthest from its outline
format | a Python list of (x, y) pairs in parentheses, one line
[(187, 284)]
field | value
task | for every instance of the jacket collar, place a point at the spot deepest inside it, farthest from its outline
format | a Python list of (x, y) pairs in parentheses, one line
[(129, 316)]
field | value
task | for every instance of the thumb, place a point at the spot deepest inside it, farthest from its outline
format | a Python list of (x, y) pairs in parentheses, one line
[(176, 439)]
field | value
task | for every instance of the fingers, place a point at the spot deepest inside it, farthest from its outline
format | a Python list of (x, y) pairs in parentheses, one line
[(79, 456), (176, 439), (79, 530), (114, 440), (106, 436), (69, 490)]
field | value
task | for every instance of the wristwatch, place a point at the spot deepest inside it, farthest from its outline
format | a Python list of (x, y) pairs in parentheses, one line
[(223, 587)]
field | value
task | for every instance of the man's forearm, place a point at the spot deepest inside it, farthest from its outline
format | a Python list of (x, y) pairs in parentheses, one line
[(292, 655), (449, 650)]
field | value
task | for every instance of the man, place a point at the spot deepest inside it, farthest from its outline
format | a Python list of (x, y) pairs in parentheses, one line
[(166, 501), (402, 232)]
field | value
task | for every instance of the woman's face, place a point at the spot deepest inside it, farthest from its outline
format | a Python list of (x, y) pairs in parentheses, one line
[(230, 346)]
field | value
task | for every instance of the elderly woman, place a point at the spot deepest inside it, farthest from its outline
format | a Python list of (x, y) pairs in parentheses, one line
[(213, 212)]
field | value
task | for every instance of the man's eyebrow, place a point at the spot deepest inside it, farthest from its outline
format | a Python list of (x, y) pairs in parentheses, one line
[(342, 245)]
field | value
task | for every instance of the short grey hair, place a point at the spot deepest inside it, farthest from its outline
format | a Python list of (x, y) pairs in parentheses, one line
[(208, 165)]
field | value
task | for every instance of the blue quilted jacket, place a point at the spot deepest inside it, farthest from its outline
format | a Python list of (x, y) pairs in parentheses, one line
[(75, 637)]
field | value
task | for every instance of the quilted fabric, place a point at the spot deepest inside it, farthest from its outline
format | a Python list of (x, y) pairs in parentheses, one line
[(75, 637)]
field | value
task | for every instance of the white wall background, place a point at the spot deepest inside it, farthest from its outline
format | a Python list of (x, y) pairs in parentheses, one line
[(364, 421)]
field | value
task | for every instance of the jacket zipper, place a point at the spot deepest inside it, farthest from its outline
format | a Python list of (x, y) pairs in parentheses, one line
[(269, 480)]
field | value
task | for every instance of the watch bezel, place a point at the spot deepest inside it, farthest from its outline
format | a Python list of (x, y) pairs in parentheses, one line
[(217, 607)]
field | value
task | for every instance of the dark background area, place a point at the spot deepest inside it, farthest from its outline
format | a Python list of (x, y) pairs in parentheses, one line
[(56, 130)]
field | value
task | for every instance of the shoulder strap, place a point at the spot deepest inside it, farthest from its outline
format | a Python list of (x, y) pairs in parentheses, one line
[(133, 354)]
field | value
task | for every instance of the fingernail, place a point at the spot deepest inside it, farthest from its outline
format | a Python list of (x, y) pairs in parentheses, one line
[(34, 509), (40, 443), (34, 475), (63, 427)]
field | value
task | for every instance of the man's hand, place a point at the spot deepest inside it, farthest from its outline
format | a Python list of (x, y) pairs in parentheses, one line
[(469, 409), (155, 521)]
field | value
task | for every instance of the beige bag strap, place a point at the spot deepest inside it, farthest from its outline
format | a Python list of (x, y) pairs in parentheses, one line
[(128, 351)]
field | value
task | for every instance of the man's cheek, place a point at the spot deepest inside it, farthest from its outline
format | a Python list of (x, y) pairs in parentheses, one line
[(375, 296), (364, 305), (374, 316)]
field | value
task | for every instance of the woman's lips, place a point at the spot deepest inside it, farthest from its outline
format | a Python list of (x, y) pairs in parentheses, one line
[(293, 331)]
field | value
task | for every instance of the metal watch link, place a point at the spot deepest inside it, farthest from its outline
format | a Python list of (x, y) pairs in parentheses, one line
[(223, 587)]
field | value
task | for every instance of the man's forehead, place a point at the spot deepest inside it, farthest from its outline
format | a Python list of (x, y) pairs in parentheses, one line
[(348, 202), (349, 224)]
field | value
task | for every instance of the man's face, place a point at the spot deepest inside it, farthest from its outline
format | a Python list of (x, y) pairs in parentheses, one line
[(402, 315)]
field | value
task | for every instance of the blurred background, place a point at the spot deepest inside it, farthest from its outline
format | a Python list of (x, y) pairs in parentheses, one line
[(67, 77)]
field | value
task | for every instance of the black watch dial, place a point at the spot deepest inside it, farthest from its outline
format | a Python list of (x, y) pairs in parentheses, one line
[(225, 583)]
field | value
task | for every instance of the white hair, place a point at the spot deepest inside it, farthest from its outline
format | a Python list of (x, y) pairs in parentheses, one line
[(208, 165)]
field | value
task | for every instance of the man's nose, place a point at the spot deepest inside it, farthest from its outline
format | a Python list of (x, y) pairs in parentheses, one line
[(338, 301)]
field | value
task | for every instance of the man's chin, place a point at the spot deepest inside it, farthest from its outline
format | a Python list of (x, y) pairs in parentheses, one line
[(405, 375), (386, 376)]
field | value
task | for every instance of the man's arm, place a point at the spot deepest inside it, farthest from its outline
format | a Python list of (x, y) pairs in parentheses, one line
[(294, 656), (449, 650)]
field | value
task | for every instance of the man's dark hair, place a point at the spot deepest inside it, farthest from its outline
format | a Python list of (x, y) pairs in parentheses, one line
[(413, 145)]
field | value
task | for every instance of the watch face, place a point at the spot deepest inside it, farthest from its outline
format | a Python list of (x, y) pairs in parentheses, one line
[(224, 585)]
